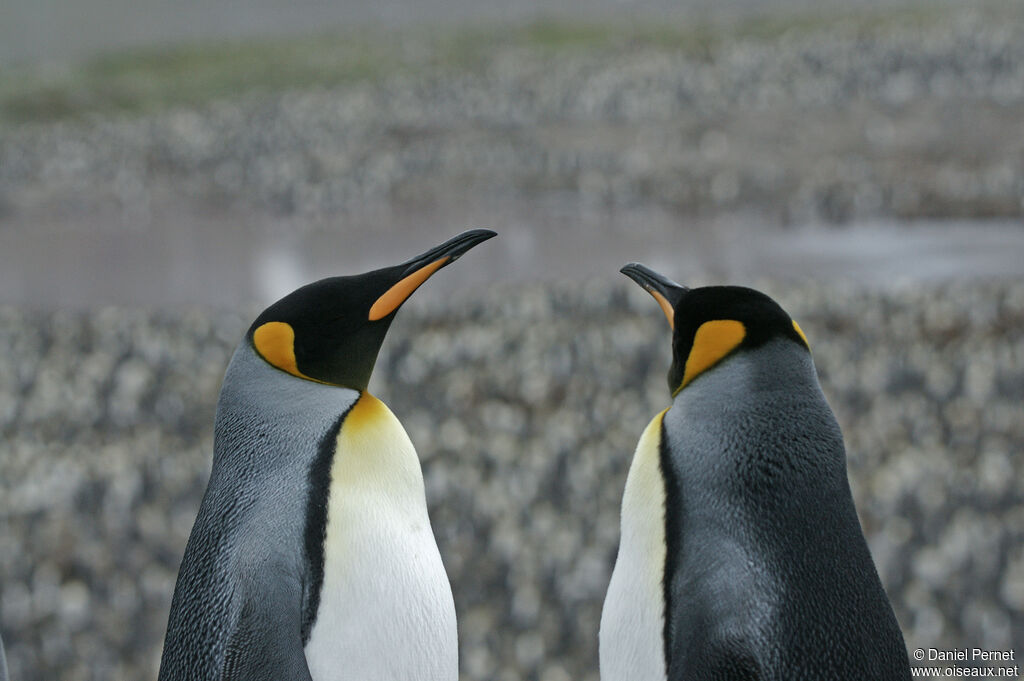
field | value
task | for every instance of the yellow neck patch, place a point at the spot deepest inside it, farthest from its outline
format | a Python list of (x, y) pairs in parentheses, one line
[(275, 341), (713, 341), (365, 412), (800, 332), (397, 294), (373, 453)]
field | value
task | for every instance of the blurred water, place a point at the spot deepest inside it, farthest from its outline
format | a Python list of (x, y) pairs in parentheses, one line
[(58, 29), (183, 255)]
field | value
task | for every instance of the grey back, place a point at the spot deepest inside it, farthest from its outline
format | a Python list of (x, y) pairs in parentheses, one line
[(770, 575), (245, 563)]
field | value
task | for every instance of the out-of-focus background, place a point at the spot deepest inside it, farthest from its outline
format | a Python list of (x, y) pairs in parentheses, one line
[(167, 169)]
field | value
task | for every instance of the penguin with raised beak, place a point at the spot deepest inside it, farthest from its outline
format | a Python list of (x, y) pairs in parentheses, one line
[(312, 557)]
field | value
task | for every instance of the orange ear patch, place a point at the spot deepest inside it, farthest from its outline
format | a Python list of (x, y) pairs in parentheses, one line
[(397, 294), (275, 341), (713, 341), (801, 333)]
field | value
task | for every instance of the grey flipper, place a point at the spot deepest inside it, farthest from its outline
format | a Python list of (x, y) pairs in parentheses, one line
[(266, 642), (241, 600), (3, 661), (236, 612)]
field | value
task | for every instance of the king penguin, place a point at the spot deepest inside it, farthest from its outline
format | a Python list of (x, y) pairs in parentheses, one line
[(312, 557), (741, 555)]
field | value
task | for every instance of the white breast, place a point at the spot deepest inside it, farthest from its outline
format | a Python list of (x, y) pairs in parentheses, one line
[(631, 645), (386, 611)]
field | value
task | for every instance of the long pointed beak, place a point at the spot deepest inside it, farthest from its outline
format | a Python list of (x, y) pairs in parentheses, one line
[(449, 251), (420, 268), (667, 292)]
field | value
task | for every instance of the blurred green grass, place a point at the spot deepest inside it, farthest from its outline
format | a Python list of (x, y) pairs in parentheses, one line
[(148, 80)]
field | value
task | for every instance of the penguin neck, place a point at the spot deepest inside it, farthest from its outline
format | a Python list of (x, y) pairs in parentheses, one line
[(777, 369), (377, 454), (260, 405), (251, 382), (756, 430)]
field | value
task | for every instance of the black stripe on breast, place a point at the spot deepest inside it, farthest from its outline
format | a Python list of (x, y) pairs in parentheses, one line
[(316, 521), (673, 535)]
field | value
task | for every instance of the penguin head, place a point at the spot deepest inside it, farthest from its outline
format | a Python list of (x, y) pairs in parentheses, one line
[(330, 331), (712, 323)]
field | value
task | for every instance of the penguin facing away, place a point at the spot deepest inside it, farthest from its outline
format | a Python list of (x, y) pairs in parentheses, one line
[(741, 554), (312, 556)]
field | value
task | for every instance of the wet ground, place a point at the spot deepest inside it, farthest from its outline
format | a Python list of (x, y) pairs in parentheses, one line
[(184, 254)]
